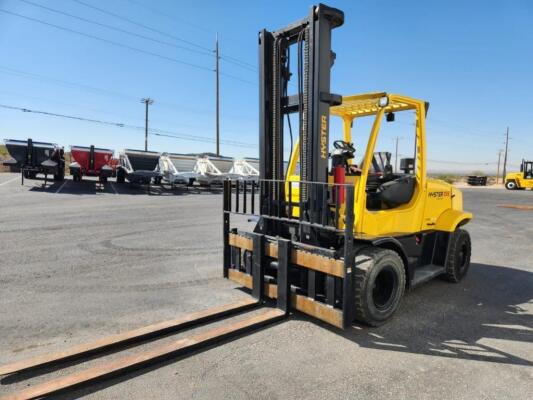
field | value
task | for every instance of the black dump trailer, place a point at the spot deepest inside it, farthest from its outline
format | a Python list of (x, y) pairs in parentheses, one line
[(138, 166), (35, 158)]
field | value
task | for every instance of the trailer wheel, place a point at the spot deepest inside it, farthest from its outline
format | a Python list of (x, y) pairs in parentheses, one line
[(379, 285), (458, 260), (510, 185), (60, 176), (121, 176)]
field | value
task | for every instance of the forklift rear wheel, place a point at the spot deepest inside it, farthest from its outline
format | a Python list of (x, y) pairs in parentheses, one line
[(379, 285), (510, 185), (458, 260)]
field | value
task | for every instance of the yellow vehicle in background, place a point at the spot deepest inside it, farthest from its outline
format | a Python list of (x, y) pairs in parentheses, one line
[(520, 180)]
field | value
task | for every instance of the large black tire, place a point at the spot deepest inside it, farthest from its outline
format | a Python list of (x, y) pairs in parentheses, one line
[(121, 176), (511, 185), (379, 285), (459, 252)]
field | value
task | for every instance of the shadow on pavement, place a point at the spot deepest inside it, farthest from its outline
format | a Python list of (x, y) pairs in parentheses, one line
[(480, 318), (477, 319)]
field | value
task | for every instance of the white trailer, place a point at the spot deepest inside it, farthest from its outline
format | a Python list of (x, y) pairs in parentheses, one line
[(178, 169)]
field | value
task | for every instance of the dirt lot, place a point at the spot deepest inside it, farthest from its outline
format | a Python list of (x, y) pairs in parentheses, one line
[(78, 262)]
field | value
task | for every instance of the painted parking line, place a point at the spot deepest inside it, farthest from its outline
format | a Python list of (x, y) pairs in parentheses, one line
[(113, 187), (10, 180), (61, 187)]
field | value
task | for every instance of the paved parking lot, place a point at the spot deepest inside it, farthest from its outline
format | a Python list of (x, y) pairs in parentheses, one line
[(80, 261)]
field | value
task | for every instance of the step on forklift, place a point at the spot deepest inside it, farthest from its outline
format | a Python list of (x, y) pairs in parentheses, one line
[(334, 240), (520, 180)]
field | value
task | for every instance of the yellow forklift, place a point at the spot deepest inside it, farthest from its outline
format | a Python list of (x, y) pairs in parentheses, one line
[(520, 180), (334, 239)]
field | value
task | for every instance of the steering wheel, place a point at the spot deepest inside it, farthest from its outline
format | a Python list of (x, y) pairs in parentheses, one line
[(342, 145)]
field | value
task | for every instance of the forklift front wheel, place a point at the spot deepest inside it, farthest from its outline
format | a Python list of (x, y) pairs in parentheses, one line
[(510, 185), (379, 285), (458, 260)]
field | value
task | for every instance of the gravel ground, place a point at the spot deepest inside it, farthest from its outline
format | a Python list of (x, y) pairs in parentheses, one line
[(79, 262)]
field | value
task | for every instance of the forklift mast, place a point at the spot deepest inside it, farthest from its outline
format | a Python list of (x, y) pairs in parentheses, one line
[(312, 37)]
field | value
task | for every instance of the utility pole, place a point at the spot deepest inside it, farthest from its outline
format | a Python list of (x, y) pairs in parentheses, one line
[(498, 173), (217, 116), (505, 155), (147, 101), (396, 154)]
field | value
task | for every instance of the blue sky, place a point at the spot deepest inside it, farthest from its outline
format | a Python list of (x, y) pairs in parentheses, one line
[(471, 60)]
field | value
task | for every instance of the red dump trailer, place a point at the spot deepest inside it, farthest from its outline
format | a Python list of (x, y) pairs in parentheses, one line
[(92, 161)]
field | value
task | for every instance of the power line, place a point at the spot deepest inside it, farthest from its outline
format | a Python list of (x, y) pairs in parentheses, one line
[(108, 92), (64, 83), (151, 131), (237, 78), (460, 162), (172, 18), (175, 60), (203, 52), (107, 41), (244, 63), (142, 25), (465, 129), (232, 60)]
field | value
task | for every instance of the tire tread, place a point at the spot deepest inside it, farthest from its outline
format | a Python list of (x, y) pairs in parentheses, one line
[(362, 274)]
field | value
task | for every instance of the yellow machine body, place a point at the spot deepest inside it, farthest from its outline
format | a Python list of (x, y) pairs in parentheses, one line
[(520, 179), (435, 204)]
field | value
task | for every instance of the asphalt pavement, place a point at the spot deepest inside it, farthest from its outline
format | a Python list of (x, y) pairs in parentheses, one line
[(80, 260)]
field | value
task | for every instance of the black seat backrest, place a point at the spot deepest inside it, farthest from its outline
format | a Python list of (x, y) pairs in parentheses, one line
[(397, 192)]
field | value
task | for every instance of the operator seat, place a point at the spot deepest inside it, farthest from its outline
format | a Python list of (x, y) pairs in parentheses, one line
[(397, 192)]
